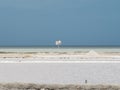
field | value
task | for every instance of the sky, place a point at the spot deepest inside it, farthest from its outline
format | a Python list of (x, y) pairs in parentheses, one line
[(75, 22)]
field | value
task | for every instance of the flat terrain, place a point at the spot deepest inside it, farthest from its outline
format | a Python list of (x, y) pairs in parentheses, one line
[(60, 73)]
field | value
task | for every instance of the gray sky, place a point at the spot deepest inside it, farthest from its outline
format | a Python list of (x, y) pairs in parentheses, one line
[(75, 22)]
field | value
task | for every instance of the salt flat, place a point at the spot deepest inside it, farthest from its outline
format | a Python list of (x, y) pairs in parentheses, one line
[(60, 73)]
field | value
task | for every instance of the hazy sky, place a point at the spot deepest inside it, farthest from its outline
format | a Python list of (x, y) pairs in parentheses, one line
[(75, 22)]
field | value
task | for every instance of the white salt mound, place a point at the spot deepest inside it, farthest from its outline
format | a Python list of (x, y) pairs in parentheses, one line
[(92, 53)]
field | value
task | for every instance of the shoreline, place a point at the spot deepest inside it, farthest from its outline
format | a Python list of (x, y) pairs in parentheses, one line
[(59, 57)]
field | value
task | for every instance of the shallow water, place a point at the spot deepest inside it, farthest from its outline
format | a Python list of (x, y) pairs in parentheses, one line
[(48, 73)]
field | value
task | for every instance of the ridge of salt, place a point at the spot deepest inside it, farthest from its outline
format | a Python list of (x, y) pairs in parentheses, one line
[(92, 53)]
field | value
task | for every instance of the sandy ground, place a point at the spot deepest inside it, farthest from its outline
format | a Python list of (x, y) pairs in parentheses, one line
[(32, 86), (62, 54), (90, 57)]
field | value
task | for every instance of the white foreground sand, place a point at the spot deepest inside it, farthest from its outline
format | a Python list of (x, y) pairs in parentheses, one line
[(60, 73)]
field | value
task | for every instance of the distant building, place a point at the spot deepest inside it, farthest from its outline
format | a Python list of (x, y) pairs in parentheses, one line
[(58, 43)]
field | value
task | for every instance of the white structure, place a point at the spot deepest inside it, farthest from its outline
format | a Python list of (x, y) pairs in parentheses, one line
[(58, 43)]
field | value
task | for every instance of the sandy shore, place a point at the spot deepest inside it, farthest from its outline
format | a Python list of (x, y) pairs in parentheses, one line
[(89, 54), (59, 57), (27, 57)]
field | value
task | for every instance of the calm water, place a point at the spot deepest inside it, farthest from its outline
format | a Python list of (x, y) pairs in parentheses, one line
[(61, 73)]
